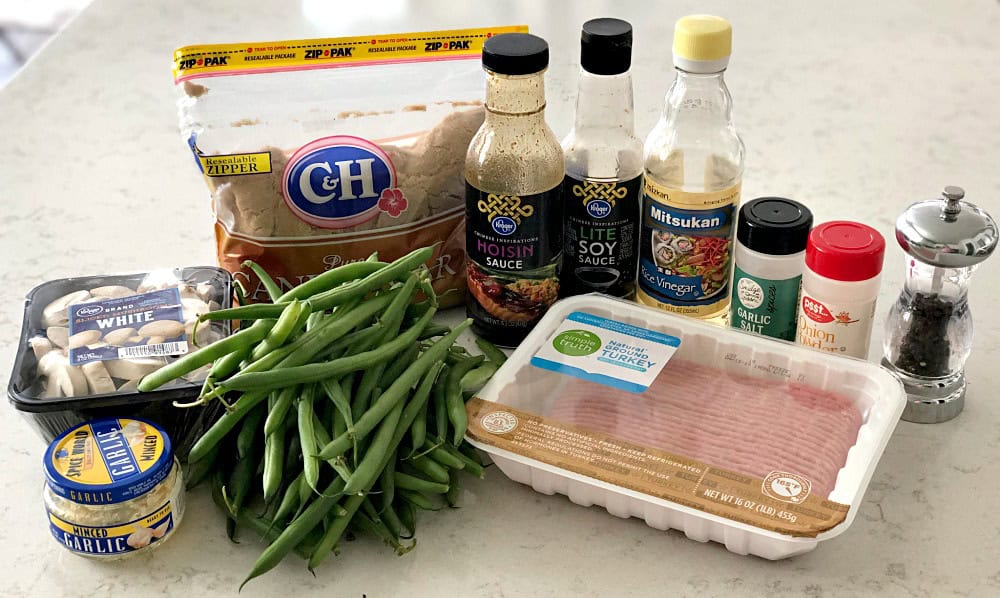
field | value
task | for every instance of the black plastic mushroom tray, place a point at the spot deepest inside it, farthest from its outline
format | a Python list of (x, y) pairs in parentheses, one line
[(51, 411)]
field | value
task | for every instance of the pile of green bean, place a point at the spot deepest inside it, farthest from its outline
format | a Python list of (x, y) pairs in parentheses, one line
[(345, 410)]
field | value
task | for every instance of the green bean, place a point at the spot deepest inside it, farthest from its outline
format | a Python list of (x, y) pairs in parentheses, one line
[(227, 364), (399, 365), (224, 424), (274, 457), (267, 530), (396, 391), (430, 468), (478, 377), (305, 348), (293, 448), (441, 408), (434, 330), (443, 457), (334, 532), (326, 299), (418, 431), (415, 310), (252, 311), (273, 290), (454, 490), (407, 516), (392, 318), (491, 351), (248, 431), (470, 453), (377, 528), (387, 482), (418, 500), (338, 464), (453, 396), (239, 485), (336, 394), (472, 466), (195, 472), (331, 278), (394, 271), (288, 323), (276, 415), (240, 291), (297, 530), (192, 361), (316, 372), (358, 336), (307, 435), (368, 469), (290, 500), (391, 521), (409, 482)]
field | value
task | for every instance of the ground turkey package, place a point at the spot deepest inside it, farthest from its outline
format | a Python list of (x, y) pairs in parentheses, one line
[(319, 152)]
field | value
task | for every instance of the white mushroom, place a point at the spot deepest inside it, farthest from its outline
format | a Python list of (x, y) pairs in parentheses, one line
[(134, 339), (189, 292), (40, 346), (192, 308), (56, 314), (98, 379), (119, 337), (155, 340), (205, 290), (206, 333), (132, 369), (112, 292), (164, 328), (129, 386), (58, 335), (63, 378), (84, 338)]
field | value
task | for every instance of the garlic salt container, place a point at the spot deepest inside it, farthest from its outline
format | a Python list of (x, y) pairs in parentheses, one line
[(113, 488), (759, 444), (87, 341)]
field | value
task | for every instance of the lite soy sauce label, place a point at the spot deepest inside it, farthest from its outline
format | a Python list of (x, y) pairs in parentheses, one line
[(601, 236), (513, 245)]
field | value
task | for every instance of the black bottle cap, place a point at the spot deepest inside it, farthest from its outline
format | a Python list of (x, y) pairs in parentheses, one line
[(515, 54), (606, 46), (774, 225)]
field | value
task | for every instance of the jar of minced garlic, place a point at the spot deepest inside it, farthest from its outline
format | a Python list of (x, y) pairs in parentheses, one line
[(113, 488)]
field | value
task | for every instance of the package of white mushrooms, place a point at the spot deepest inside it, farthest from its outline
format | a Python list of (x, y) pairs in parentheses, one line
[(86, 342)]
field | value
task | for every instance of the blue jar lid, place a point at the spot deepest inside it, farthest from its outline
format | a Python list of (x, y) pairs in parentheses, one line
[(108, 461)]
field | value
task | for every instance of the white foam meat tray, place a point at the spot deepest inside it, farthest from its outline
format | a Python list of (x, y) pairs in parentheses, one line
[(876, 392)]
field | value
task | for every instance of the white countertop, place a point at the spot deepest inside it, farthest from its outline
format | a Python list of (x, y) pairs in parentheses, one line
[(855, 108)]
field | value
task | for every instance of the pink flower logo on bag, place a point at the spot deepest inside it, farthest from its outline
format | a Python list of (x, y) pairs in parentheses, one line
[(392, 202)]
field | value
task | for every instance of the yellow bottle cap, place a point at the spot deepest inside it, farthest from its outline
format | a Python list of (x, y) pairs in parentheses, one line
[(702, 43)]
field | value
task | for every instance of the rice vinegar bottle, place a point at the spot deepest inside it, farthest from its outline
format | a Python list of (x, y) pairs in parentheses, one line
[(693, 171)]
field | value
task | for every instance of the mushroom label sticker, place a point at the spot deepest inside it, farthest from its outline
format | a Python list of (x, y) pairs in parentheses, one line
[(144, 325), (606, 351)]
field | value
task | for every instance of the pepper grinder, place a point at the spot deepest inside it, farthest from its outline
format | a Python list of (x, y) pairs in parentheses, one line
[(929, 328)]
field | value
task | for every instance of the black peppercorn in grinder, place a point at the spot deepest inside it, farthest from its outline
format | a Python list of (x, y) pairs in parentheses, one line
[(929, 329)]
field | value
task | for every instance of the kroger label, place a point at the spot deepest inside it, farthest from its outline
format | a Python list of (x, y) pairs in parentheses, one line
[(337, 182)]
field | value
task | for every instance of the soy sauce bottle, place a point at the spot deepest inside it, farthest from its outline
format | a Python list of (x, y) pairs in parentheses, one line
[(603, 168), (514, 172)]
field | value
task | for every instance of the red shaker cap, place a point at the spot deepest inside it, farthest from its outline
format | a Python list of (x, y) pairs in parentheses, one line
[(843, 250)]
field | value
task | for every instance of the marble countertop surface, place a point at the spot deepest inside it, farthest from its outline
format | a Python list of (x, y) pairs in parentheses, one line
[(855, 108)]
